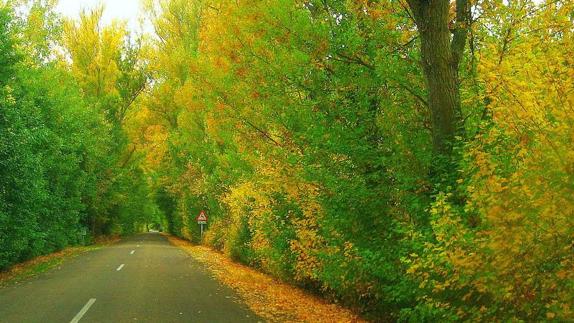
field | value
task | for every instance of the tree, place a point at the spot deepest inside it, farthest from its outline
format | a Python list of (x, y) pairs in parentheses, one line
[(442, 43)]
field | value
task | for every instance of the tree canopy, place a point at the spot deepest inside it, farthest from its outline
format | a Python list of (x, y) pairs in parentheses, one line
[(412, 159)]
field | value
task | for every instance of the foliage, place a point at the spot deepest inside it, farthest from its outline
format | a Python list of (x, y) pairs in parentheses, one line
[(303, 129), (64, 173), (506, 252), (307, 130)]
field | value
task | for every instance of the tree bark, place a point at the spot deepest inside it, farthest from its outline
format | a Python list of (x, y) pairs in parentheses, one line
[(442, 48)]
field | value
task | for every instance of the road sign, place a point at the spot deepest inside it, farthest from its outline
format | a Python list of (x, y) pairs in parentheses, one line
[(201, 218)]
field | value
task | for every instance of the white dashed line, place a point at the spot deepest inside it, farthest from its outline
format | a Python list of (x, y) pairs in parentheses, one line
[(84, 310), (120, 267)]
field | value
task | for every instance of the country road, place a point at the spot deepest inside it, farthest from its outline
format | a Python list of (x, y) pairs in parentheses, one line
[(140, 279)]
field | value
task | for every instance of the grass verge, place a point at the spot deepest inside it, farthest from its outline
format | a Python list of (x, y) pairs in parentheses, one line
[(38, 265), (269, 298)]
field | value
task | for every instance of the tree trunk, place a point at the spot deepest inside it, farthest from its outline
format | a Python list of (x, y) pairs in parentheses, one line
[(441, 51)]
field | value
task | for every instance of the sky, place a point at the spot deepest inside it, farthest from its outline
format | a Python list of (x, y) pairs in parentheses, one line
[(114, 9)]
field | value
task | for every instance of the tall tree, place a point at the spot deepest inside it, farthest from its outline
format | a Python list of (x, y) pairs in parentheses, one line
[(442, 44)]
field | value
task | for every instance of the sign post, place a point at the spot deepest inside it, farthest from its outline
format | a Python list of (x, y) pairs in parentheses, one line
[(202, 220)]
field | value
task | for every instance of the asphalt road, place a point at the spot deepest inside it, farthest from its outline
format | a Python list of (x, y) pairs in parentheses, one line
[(140, 279)]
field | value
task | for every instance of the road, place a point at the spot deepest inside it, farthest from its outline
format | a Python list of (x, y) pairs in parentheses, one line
[(140, 279)]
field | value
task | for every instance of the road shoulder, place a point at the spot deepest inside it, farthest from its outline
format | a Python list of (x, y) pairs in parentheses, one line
[(41, 264), (267, 297)]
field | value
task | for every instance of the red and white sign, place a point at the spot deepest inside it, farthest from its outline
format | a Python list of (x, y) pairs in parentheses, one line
[(202, 218)]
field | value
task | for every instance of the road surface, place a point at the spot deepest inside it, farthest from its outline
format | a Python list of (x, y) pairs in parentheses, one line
[(140, 279)]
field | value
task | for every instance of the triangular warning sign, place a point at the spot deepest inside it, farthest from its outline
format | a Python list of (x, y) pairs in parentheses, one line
[(202, 217)]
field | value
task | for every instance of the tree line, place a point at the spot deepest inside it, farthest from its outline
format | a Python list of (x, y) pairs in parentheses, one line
[(411, 159), (68, 172)]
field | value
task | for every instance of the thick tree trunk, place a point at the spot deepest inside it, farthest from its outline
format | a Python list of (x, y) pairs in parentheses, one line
[(441, 52), (442, 85)]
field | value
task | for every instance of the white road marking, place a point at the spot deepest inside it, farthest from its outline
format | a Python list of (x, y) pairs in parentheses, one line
[(138, 245), (120, 267), (133, 251), (84, 310)]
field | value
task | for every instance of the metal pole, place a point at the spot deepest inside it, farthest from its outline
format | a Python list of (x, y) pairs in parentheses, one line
[(201, 230)]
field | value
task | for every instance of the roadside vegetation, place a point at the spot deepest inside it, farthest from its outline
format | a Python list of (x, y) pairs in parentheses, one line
[(68, 172), (410, 159)]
